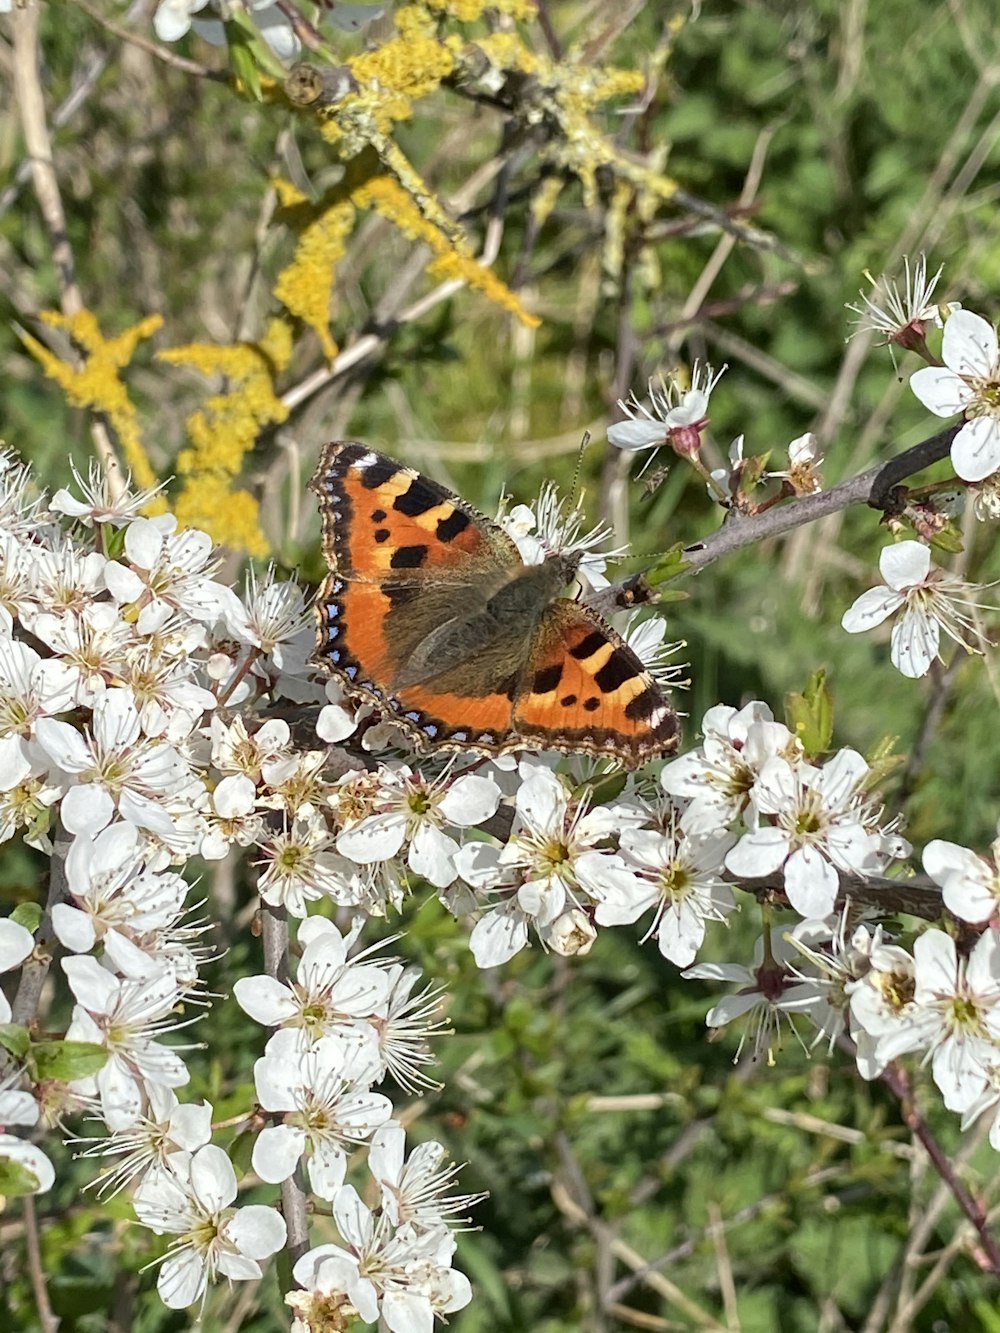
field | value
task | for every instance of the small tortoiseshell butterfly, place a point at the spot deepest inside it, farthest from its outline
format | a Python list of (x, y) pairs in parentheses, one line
[(430, 614)]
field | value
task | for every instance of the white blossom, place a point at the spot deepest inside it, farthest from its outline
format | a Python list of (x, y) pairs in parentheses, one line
[(550, 862), (191, 1197), (125, 1016), (968, 382), (324, 1097), (970, 885), (718, 777), (679, 877), (401, 1275), (770, 993), (115, 767), (901, 316), (413, 811), (810, 823), (676, 415), (415, 1189), (330, 989), (929, 601)]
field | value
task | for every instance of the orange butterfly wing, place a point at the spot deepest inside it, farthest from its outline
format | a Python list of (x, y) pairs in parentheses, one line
[(586, 690), (406, 555), (404, 551)]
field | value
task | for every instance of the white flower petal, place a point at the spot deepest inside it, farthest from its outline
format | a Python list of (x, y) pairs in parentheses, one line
[(975, 450), (276, 1152), (637, 434), (914, 643), (257, 1231), (969, 345), (870, 609), (941, 391), (904, 564)]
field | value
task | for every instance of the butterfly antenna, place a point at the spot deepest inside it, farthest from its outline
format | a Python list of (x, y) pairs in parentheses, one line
[(574, 494)]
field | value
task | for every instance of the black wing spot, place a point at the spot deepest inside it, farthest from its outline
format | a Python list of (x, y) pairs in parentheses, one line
[(643, 706), (408, 557), (568, 700), (591, 705), (416, 499), (449, 528), (547, 679), (378, 473), (378, 515), (616, 671), (588, 646), (381, 535)]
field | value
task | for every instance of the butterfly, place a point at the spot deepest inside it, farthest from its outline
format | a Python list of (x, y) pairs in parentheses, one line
[(430, 614)]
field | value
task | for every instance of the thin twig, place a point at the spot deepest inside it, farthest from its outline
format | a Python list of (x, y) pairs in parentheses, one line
[(162, 53), (38, 144), (662, 1286), (897, 1081), (24, 1009), (46, 1318), (274, 923)]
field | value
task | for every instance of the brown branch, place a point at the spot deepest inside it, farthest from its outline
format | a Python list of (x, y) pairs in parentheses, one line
[(274, 923), (36, 1268), (876, 487), (24, 1009), (31, 105), (146, 44), (896, 1080), (38, 144)]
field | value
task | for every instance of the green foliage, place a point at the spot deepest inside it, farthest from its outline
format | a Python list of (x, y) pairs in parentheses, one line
[(66, 1060), (810, 715)]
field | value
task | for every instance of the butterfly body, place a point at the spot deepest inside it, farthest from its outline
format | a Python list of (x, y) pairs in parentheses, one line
[(430, 613)]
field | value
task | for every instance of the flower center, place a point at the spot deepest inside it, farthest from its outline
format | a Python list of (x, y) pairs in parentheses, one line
[(897, 989)]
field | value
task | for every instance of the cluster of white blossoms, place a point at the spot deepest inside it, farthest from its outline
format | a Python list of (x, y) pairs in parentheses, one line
[(134, 736), (131, 686), (924, 602)]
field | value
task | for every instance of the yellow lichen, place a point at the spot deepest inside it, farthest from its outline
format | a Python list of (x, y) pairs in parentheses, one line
[(466, 11), (95, 383), (410, 65), (201, 503), (304, 286), (451, 260), (225, 429)]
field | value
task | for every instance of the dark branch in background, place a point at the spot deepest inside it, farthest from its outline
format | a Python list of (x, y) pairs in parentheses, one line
[(904, 465)]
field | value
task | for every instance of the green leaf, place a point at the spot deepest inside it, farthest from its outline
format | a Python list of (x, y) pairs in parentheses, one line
[(67, 1060), (810, 715), (882, 760), (240, 1152), (668, 566), (948, 539), (15, 1039), (249, 54), (15, 1179), (242, 60), (28, 915)]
